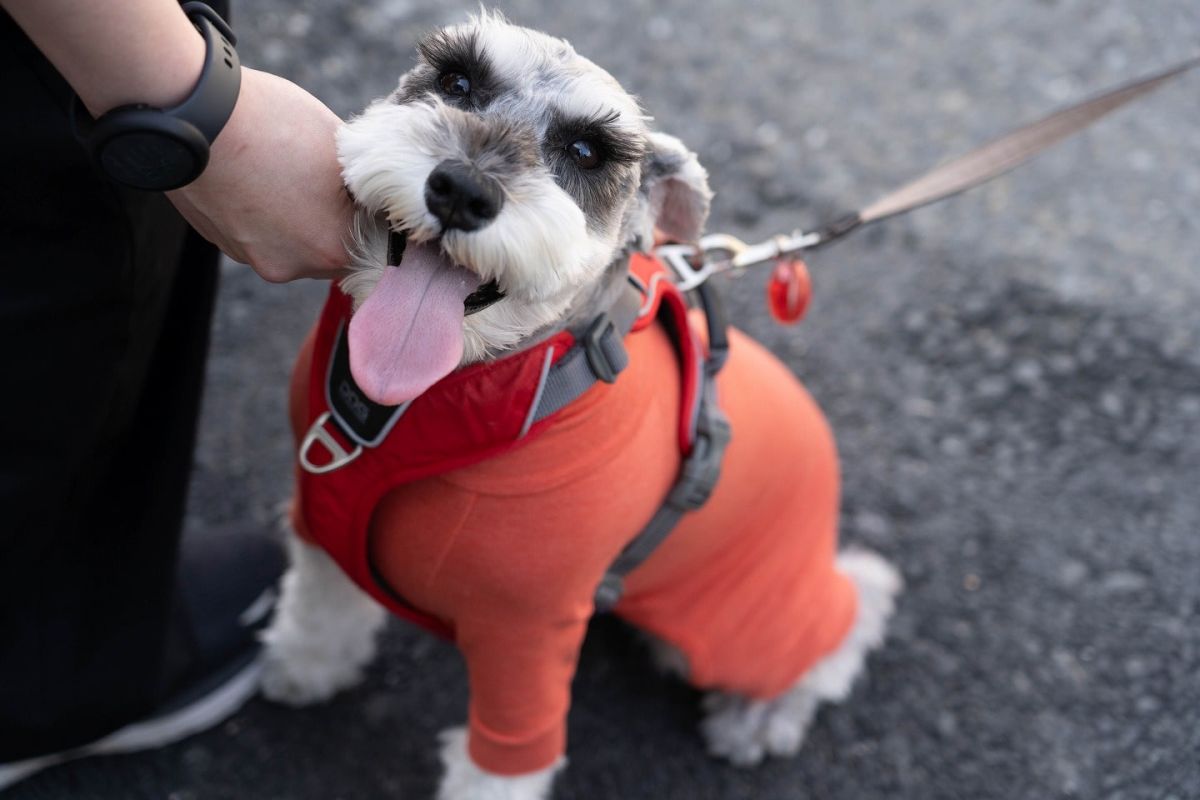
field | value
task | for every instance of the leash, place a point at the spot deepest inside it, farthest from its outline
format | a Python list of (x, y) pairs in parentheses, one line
[(694, 264)]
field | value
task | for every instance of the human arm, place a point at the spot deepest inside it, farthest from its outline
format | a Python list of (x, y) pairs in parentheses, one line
[(272, 194)]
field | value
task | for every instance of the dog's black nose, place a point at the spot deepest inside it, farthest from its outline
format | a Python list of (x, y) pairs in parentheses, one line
[(462, 197)]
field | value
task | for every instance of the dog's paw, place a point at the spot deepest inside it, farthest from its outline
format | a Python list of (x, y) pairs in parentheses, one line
[(745, 731), (877, 584), (309, 663), (298, 680), (465, 781)]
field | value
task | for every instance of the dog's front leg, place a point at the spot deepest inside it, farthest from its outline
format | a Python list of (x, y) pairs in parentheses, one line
[(323, 633), (520, 675)]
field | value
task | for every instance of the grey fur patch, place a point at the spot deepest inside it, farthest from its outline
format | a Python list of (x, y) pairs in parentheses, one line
[(500, 146), (598, 192), (674, 189), (452, 50)]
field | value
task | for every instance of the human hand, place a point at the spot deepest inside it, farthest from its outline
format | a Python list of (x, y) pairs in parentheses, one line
[(272, 195)]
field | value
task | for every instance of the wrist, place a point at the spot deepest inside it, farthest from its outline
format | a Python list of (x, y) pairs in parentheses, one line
[(161, 74)]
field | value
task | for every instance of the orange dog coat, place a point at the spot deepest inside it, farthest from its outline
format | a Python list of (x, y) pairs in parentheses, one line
[(508, 552)]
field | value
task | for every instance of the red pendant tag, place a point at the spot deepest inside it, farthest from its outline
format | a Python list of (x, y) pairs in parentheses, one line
[(789, 291)]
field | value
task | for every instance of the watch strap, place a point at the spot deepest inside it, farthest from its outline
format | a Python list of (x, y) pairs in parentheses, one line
[(211, 102), (161, 149)]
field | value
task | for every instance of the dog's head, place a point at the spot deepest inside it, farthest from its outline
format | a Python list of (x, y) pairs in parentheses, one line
[(519, 174)]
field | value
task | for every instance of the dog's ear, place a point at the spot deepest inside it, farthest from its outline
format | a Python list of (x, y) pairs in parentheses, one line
[(674, 195)]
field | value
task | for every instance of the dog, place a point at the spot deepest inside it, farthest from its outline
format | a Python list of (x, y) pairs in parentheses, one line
[(502, 188)]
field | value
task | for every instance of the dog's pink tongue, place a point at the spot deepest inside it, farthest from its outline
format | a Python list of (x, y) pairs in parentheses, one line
[(408, 333)]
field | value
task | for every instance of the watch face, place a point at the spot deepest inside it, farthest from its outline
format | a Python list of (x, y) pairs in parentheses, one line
[(152, 160)]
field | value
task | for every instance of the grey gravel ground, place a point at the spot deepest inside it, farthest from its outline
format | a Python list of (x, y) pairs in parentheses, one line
[(1014, 378)]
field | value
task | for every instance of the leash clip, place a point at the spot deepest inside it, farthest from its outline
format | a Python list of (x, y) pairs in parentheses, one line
[(694, 264)]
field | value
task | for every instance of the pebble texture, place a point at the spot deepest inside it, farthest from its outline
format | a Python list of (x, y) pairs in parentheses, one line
[(1013, 376)]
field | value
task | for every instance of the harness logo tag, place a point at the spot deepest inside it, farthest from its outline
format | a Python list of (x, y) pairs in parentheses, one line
[(356, 404)]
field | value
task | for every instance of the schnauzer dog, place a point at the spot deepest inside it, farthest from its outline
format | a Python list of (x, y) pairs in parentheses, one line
[(502, 189)]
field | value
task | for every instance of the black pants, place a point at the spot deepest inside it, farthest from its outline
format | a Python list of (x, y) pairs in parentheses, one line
[(105, 302)]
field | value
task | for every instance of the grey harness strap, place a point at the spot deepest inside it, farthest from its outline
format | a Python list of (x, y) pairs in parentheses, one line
[(598, 355), (692, 488), (700, 469)]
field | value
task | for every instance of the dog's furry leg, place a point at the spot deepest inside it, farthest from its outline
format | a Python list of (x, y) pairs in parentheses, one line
[(465, 781), (323, 633), (744, 730)]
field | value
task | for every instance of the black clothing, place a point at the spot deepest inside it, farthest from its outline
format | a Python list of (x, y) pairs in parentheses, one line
[(105, 301)]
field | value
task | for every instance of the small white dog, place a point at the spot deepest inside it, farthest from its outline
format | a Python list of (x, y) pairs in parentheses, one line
[(503, 187)]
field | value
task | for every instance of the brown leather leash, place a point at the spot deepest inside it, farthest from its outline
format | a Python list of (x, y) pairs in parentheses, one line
[(695, 263), (1002, 155)]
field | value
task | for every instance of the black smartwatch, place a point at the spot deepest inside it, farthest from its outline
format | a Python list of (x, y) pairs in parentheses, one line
[(165, 148)]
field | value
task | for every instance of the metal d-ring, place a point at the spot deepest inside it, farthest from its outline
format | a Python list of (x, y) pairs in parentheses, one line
[(318, 433)]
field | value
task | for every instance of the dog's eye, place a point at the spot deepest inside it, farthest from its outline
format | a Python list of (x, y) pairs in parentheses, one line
[(455, 84), (585, 154)]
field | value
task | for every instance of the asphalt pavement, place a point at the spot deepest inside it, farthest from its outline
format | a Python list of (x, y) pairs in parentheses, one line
[(1013, 377)]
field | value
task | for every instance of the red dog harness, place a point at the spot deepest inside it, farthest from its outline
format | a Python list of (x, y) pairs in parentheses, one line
[(364, 449)]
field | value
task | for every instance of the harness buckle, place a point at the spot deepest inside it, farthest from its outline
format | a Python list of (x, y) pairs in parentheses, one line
[(338, 455), (700, 470), (602, 345)]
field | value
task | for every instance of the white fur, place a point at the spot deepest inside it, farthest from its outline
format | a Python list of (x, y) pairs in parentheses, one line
[(744, 731), (323, 633), (463, 780), (591, 94), (367, 245), (387, 153), (537, 247)]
